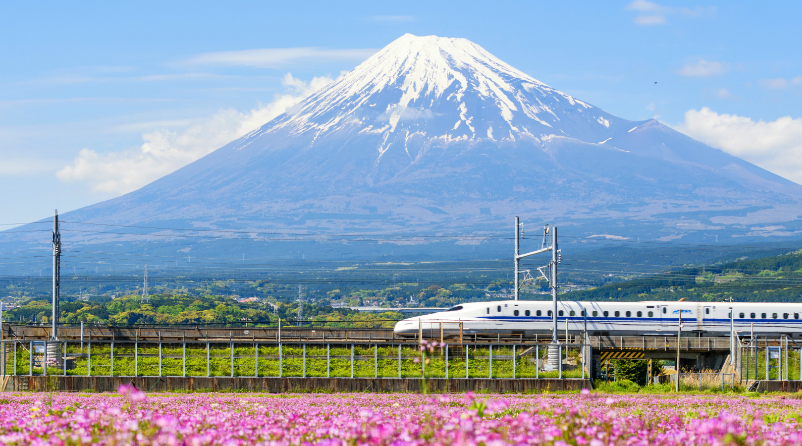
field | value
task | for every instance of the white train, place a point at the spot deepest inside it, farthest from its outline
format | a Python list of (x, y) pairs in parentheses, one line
[(611, 318)]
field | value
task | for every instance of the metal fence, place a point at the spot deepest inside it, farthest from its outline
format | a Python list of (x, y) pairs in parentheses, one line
[(329, 360), (705, 380), (771, 360)]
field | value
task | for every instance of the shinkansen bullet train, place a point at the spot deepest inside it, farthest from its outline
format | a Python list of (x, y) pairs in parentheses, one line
[(611, 318)]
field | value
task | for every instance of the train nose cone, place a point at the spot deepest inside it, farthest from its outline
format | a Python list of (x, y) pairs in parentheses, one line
[(405, 326)]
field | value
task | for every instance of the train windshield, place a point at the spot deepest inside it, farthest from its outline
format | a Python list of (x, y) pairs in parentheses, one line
[(458, 307)]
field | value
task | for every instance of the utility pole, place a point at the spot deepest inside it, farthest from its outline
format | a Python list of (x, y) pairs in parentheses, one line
[(56, 276), (517, 255), (145, 294), (553, 284), (679, 334)]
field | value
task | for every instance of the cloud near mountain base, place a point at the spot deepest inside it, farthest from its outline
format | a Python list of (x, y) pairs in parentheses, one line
[(166, 150), (774, 145)]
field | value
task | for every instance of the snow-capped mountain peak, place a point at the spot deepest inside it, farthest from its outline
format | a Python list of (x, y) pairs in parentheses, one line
[(447, 88)]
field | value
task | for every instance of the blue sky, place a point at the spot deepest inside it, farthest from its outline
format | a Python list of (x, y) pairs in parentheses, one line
[(99, 98)]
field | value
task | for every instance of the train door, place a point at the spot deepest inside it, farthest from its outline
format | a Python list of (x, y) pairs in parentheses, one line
[(705, 313)]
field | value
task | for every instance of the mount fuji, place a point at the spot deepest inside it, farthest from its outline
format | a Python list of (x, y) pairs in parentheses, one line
[(436, 135)]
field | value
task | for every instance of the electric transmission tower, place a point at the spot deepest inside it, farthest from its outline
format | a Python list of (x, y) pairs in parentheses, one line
[(145, 295), (300, 306)]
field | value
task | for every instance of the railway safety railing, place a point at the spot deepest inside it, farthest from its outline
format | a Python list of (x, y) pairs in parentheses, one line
[(325, 360)]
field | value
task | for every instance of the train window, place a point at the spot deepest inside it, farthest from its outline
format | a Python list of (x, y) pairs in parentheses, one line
[(763, 315), (458, 307), (741, 315), (538, 313), (515, 313), (560, 313), (651, 314), (606, 313), (785, 315), (796, 315), (582, 313), (664, 310), (549, 313), (640, 314), (752, 315), (488, 310), (595, 313), (617, 313), (498, 308), (629, 313), (774, 315), (571, 313), (707, 310), (527, 312)]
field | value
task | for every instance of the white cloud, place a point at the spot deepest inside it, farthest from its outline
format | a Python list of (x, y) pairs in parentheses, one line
[(780, 82), (279, 57), (703, 68), (655, 14), (650, 20), (165, 150), (723, 93), (774, 145)]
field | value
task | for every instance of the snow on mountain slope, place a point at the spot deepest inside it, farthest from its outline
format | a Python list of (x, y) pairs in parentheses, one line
[(452, 89)]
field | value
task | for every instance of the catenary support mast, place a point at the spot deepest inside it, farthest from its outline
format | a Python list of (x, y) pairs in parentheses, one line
[(56, 275), (556, 258)]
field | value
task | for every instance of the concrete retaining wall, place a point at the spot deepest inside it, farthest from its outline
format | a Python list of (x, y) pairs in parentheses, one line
[(779, 386), (283, 385)]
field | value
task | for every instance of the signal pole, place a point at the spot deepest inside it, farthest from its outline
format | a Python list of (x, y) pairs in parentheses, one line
[(56, 276)]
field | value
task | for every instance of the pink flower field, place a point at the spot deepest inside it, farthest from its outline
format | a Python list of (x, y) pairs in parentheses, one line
[(133, 418)]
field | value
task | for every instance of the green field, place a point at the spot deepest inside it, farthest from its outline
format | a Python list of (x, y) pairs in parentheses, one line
[(368, 361)]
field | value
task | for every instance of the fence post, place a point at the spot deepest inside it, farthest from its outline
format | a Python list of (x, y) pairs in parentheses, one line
[(375, 360), (490, 361), (160, 356), (112, 358), (352, 360), (447, 373), (208, 367), (537, 361), (16, 348), (328, 360), (256, 359), (232, 358), (89, 361), (399, 360), (303, 362), (582, 346), (467, 362), (767, 361), (280, 361), (136, 358), (513, 362), (63, 362), (30, 358), (44, 363), (560, 360), (184, 358)]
